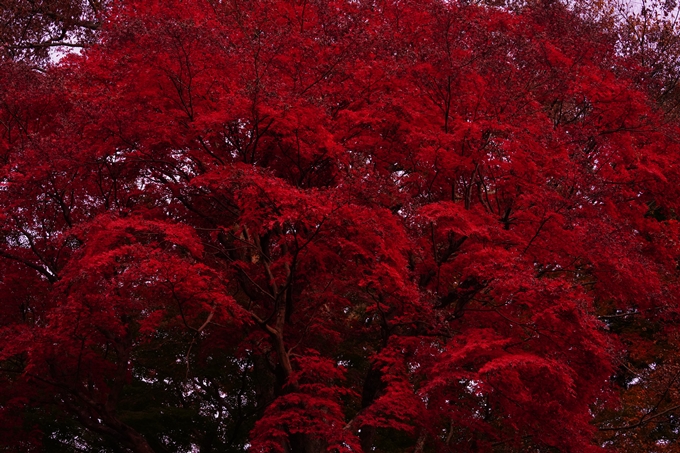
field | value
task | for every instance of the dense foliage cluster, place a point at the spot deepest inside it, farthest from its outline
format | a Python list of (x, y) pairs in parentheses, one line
[(337, 225)]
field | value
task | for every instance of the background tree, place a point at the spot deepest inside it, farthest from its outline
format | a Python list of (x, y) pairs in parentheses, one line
[(32, 29)]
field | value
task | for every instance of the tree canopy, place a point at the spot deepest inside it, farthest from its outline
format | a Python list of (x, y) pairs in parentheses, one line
[(338, 225)]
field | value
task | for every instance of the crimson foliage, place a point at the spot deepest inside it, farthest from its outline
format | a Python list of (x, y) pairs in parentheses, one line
[(328, 225)]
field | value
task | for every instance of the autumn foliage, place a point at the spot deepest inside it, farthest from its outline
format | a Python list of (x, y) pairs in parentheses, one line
[(336, 225)]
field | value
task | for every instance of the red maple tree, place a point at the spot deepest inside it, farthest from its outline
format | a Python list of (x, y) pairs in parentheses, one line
[(329, 226)]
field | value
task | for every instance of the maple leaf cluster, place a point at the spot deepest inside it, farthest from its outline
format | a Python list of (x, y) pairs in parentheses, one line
[(334, 225)]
